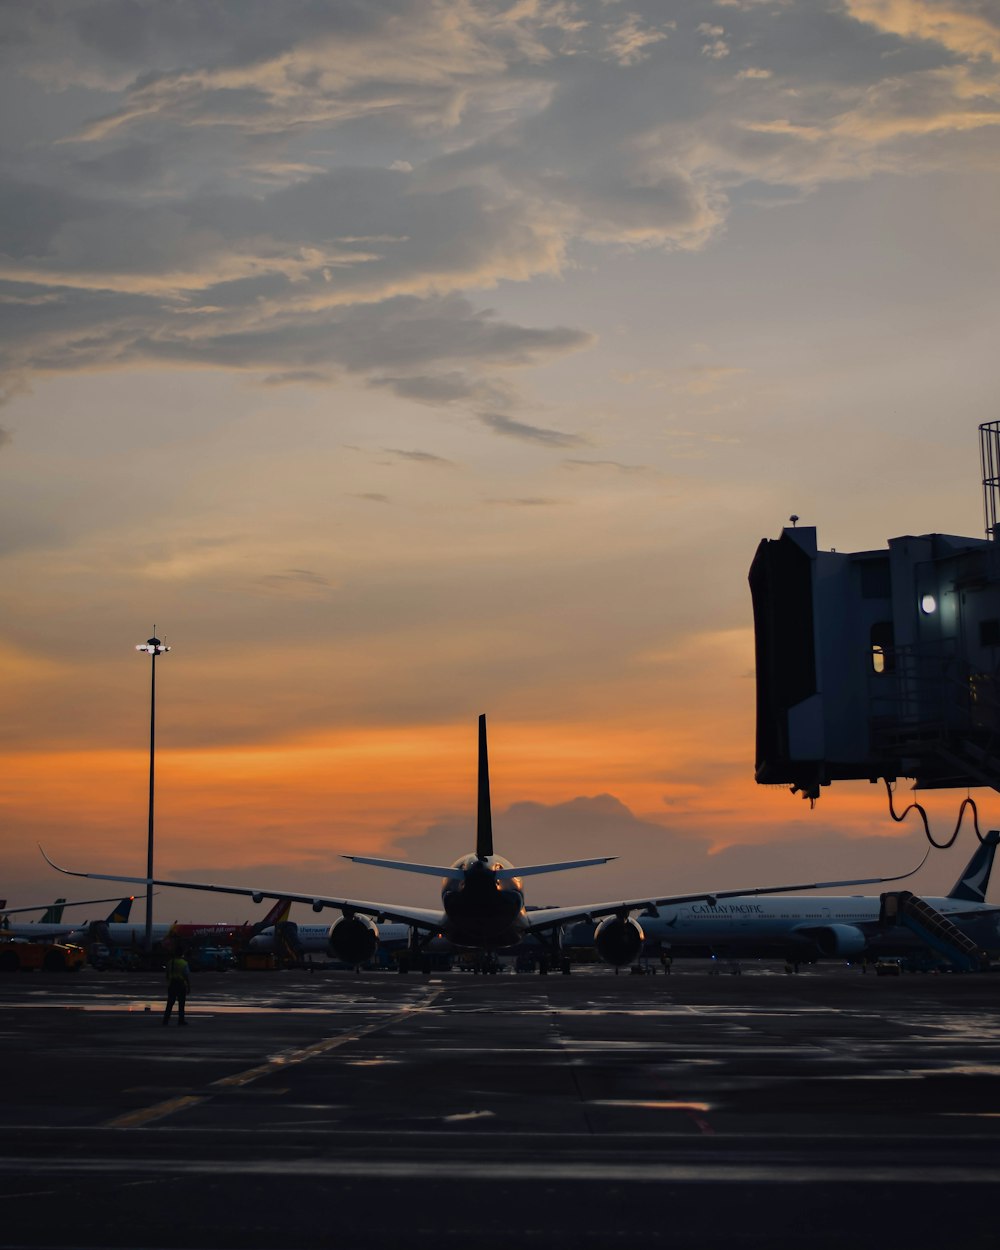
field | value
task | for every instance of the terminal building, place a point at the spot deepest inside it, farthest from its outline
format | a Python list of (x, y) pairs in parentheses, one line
[(881, 664)]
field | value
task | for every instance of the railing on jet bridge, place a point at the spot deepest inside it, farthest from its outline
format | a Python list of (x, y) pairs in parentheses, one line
[(941, 934)]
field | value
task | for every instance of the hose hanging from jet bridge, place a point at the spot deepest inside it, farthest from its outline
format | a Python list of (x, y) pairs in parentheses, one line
[(968, 801)]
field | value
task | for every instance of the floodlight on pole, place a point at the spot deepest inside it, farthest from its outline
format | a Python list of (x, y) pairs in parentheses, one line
[(153, 648)]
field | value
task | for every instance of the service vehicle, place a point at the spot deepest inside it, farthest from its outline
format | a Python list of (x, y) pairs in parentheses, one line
[(20, 955)]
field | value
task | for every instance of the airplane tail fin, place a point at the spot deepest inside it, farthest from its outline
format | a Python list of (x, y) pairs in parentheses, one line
[(484, 815), (277, 915), (120, 912), (971, 885), (54, 912)]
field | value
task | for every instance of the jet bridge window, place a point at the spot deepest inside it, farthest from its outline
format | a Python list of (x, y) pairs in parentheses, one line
[(989, 633), (883, 653)]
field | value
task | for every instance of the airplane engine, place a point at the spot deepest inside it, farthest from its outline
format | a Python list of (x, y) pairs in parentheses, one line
[(839, 939), (354, 939), (618, 940)]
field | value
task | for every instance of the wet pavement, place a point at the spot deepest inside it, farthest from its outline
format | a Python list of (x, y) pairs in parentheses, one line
[(829, 1109)]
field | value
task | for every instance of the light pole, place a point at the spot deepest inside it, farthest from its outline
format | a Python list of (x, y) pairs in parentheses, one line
[(153, 647)]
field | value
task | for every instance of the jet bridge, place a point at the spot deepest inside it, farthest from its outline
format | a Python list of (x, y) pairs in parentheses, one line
[(882, 663), (901, 907)]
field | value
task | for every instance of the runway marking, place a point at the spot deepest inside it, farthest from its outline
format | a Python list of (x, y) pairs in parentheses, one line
[(629, 1172), (652, 1104), (158, 1111), (147, 1114)]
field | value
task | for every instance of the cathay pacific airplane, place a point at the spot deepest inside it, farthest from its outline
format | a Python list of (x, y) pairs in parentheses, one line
[(823, 926), (482, 899)]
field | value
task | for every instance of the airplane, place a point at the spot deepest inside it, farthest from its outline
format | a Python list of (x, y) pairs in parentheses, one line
[(53, 912), (41, 930), (118, 933), (812, 927), (314, 939), (482, 899)]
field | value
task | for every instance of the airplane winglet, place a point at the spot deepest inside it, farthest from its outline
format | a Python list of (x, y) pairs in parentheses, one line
[(52, 863)]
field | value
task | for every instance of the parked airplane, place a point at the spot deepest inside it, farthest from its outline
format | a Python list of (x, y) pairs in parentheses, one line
[(482, 899), (119, 935), (41, 930), (53, 912), (821, 926), (314, 939)]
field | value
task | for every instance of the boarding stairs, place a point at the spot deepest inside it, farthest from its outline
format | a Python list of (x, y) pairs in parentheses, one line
[(902, 907), (287, 948)]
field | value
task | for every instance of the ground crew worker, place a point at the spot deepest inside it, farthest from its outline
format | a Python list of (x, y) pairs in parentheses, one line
[(178, 986)]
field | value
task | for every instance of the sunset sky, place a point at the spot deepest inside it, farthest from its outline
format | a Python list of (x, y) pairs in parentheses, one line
[(406, 360)]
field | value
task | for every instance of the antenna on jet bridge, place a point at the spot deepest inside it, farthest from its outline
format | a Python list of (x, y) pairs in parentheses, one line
[(484, 818)]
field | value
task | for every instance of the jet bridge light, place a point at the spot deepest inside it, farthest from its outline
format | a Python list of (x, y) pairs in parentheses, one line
[(928, 605)]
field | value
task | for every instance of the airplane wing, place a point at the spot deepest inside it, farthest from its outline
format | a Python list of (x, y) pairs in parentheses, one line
[(457, 874), (418, 917), (547, 917), (76, 902)]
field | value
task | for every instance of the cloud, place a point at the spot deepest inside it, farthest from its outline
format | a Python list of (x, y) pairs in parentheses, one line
[(297, 582), (310, 190), (968, 30), (714, 44), (418, 457), (530, 502), (84, 329), (630, 40), (665, 856), (501, 424), (453, 387), (296, 377), (574, 463)]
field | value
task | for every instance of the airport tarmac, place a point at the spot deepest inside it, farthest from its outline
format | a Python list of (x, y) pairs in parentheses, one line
[(824, 1110)]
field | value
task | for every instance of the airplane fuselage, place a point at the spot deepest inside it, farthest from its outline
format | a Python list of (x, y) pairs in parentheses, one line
[(482, 909), (747, 925)]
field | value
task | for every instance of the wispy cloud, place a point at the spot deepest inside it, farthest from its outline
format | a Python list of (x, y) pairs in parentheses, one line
[(501, 424), (418, 457), (296, 582), (615, 465)]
